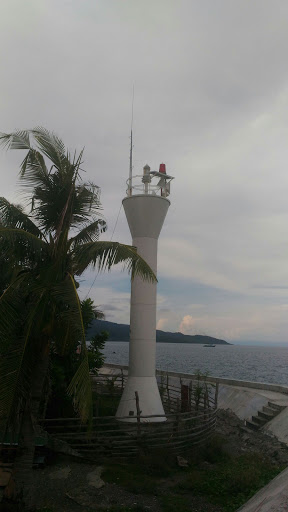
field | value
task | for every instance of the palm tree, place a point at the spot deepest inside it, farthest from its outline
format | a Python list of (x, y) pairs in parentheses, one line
[(40, 310)]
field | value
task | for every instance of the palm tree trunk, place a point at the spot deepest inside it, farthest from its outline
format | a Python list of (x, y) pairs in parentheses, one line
[(22, 489)]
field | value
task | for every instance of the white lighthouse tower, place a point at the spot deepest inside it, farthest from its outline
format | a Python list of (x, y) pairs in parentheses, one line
[(145, 207)]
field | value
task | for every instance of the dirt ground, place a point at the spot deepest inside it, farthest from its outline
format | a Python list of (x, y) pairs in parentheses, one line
[(67, 485)]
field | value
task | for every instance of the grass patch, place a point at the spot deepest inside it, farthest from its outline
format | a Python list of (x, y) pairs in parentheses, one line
[(213, 452), (231, 482), (159, 463)]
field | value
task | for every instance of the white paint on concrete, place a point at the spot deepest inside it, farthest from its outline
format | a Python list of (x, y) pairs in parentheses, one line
[(272, 498), (145, 215)]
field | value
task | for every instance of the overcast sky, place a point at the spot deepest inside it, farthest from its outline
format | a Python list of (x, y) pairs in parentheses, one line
[(211, 98)]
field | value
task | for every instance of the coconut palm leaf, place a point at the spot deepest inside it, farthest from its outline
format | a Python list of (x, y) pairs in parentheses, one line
[(16, 352), (10, 305), (52, 146), (22, 245), (104, 255), (90, 233), (86, 203), (15, 372), (17, 140), (33, 170), (80, 387), (12, 215)]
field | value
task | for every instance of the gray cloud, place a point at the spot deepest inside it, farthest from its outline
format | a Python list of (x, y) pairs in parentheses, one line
[(211, 95)]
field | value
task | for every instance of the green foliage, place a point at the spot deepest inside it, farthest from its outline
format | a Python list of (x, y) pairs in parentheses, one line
[(231, 482), (212, 451), (95, 356), (90, 312), (64, 367), (106, 405), (159, 462)]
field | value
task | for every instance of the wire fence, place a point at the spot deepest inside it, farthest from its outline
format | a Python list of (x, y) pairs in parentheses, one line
[(190, 419)]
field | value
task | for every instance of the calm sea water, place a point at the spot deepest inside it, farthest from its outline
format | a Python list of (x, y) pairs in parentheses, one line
[(258, 364)]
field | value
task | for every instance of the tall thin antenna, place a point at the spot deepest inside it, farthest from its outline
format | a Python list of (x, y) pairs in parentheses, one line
[(131, 148)]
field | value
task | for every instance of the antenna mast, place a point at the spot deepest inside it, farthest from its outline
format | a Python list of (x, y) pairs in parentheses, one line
[(131, 149)]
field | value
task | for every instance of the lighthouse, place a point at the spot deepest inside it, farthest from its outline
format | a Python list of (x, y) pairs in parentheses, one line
[(145, 206)]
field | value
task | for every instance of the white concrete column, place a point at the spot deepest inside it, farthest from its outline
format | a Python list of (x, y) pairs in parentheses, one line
[(145, 215)]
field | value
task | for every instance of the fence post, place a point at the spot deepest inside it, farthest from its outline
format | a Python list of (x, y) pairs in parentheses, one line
[(138, 414), (168, 393), (122, 379), (216, 394), (184, 398)]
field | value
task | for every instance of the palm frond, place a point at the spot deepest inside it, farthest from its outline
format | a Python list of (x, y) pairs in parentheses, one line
[(51, 145), (90, 233), (12, 215), (18, 140), (104, 255), (16, 355), (23, 245), (15, 374), (80, 386), (86, 203), (33, 170)]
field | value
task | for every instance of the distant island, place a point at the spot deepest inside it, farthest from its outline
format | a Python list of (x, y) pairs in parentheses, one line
[(120, 332)]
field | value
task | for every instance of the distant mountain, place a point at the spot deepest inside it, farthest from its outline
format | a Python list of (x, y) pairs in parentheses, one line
[(120, 332)]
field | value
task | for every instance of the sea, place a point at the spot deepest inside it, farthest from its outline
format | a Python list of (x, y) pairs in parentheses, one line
[(250, 363)]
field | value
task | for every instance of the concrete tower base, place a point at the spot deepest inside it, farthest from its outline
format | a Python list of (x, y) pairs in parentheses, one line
[(149, 400)]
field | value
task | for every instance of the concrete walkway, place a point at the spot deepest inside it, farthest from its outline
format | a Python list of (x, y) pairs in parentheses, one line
[(272, 498)]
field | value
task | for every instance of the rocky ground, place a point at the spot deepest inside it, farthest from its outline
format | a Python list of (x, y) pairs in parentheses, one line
[(68, 485), (239, 439)]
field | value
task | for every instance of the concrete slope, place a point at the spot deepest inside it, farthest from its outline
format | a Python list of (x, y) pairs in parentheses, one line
[(278, 427), (244, 402), (272, 498)]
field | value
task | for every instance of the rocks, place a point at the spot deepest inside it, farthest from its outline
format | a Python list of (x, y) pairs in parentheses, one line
[(93, 478), (182, 463), (81, 496), (60, 473), (240, 439)]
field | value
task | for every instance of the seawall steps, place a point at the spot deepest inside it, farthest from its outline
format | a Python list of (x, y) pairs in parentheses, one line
[(268, 413)]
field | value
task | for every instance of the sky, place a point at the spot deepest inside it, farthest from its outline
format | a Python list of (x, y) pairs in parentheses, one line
[(210, 84)]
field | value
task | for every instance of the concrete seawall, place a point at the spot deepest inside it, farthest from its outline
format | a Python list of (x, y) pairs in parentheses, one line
[(244, 398), (229, 382)]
